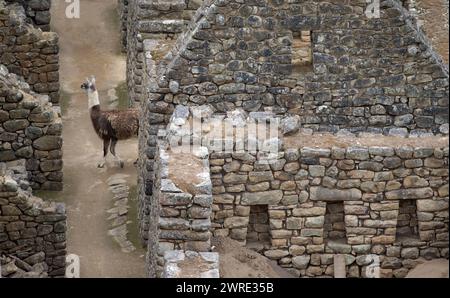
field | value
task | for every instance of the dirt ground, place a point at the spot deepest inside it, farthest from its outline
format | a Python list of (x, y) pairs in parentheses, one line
[(91, 46), (434, 16), (237, 261), (430, 269)]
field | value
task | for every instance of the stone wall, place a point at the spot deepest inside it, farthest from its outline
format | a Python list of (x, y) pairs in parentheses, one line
[(28, 51), (392, 83), (148, 131), (180, 207), (30, 128), (191, 264), (326, 201), (37, 11), (33, 231), (303, 205), (377, 76), (123, 16), (152, 19)]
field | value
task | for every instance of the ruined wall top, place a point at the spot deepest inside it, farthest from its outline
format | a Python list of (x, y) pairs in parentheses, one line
[(37, 12), (28, 51)]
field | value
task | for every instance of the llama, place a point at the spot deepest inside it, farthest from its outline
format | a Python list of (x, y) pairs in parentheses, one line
[(111, 126)]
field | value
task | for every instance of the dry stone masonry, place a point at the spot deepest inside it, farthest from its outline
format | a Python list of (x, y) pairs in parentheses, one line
[(152, 19), (325, 70), (302, 206), (190, 264), (30, 129), (37, 12), (123, 16), (29, 52), (32, 231), (180, 207)]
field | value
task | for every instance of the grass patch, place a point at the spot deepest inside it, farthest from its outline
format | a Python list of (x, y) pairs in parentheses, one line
[(122, 96), (112, 17)]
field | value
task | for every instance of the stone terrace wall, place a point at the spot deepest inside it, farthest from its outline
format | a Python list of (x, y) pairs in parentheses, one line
[(28, 51), (30, 229), (370, 183), (181, 218), (148, 132), (377, 75), (152, 19), (30, 128), (38, 12), (397, 84)]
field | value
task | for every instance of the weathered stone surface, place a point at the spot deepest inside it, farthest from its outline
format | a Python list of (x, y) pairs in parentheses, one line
[(432, 205), (262, 198), (357, 153), (325, 194), (276, 254), (236, 222), (415, 181), (301, 262), (290, 125), (409, 194), (47, 143), (304, 212)]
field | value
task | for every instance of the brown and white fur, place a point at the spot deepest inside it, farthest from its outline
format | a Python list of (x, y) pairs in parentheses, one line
[(111, 126)]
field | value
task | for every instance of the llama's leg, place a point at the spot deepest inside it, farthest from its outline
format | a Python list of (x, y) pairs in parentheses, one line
[(113, 152), (106, 143)]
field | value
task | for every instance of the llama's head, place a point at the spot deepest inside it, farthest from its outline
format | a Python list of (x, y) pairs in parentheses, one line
[(91, 90), (89, 85)]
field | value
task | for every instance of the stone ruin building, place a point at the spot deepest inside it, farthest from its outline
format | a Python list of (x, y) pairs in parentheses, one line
[(359, 173), (32, 231), (353, 169)]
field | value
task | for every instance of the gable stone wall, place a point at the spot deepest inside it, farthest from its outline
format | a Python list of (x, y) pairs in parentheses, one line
[(29, 52), (30, 129), (376, 75), (152, 19)]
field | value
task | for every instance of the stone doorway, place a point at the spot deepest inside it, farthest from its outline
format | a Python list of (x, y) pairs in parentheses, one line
[(258, 237)]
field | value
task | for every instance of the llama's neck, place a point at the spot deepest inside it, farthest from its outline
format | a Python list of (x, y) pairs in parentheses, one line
[(93, 99)]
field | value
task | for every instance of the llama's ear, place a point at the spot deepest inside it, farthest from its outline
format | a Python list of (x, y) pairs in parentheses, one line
[(92, 79)]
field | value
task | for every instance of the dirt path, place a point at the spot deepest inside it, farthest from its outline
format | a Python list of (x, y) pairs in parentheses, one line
[(91, 45), (237, 261), (430, 269)]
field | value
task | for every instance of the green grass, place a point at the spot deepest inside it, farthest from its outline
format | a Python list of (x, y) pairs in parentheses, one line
[(122, 95), (113, 19)]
